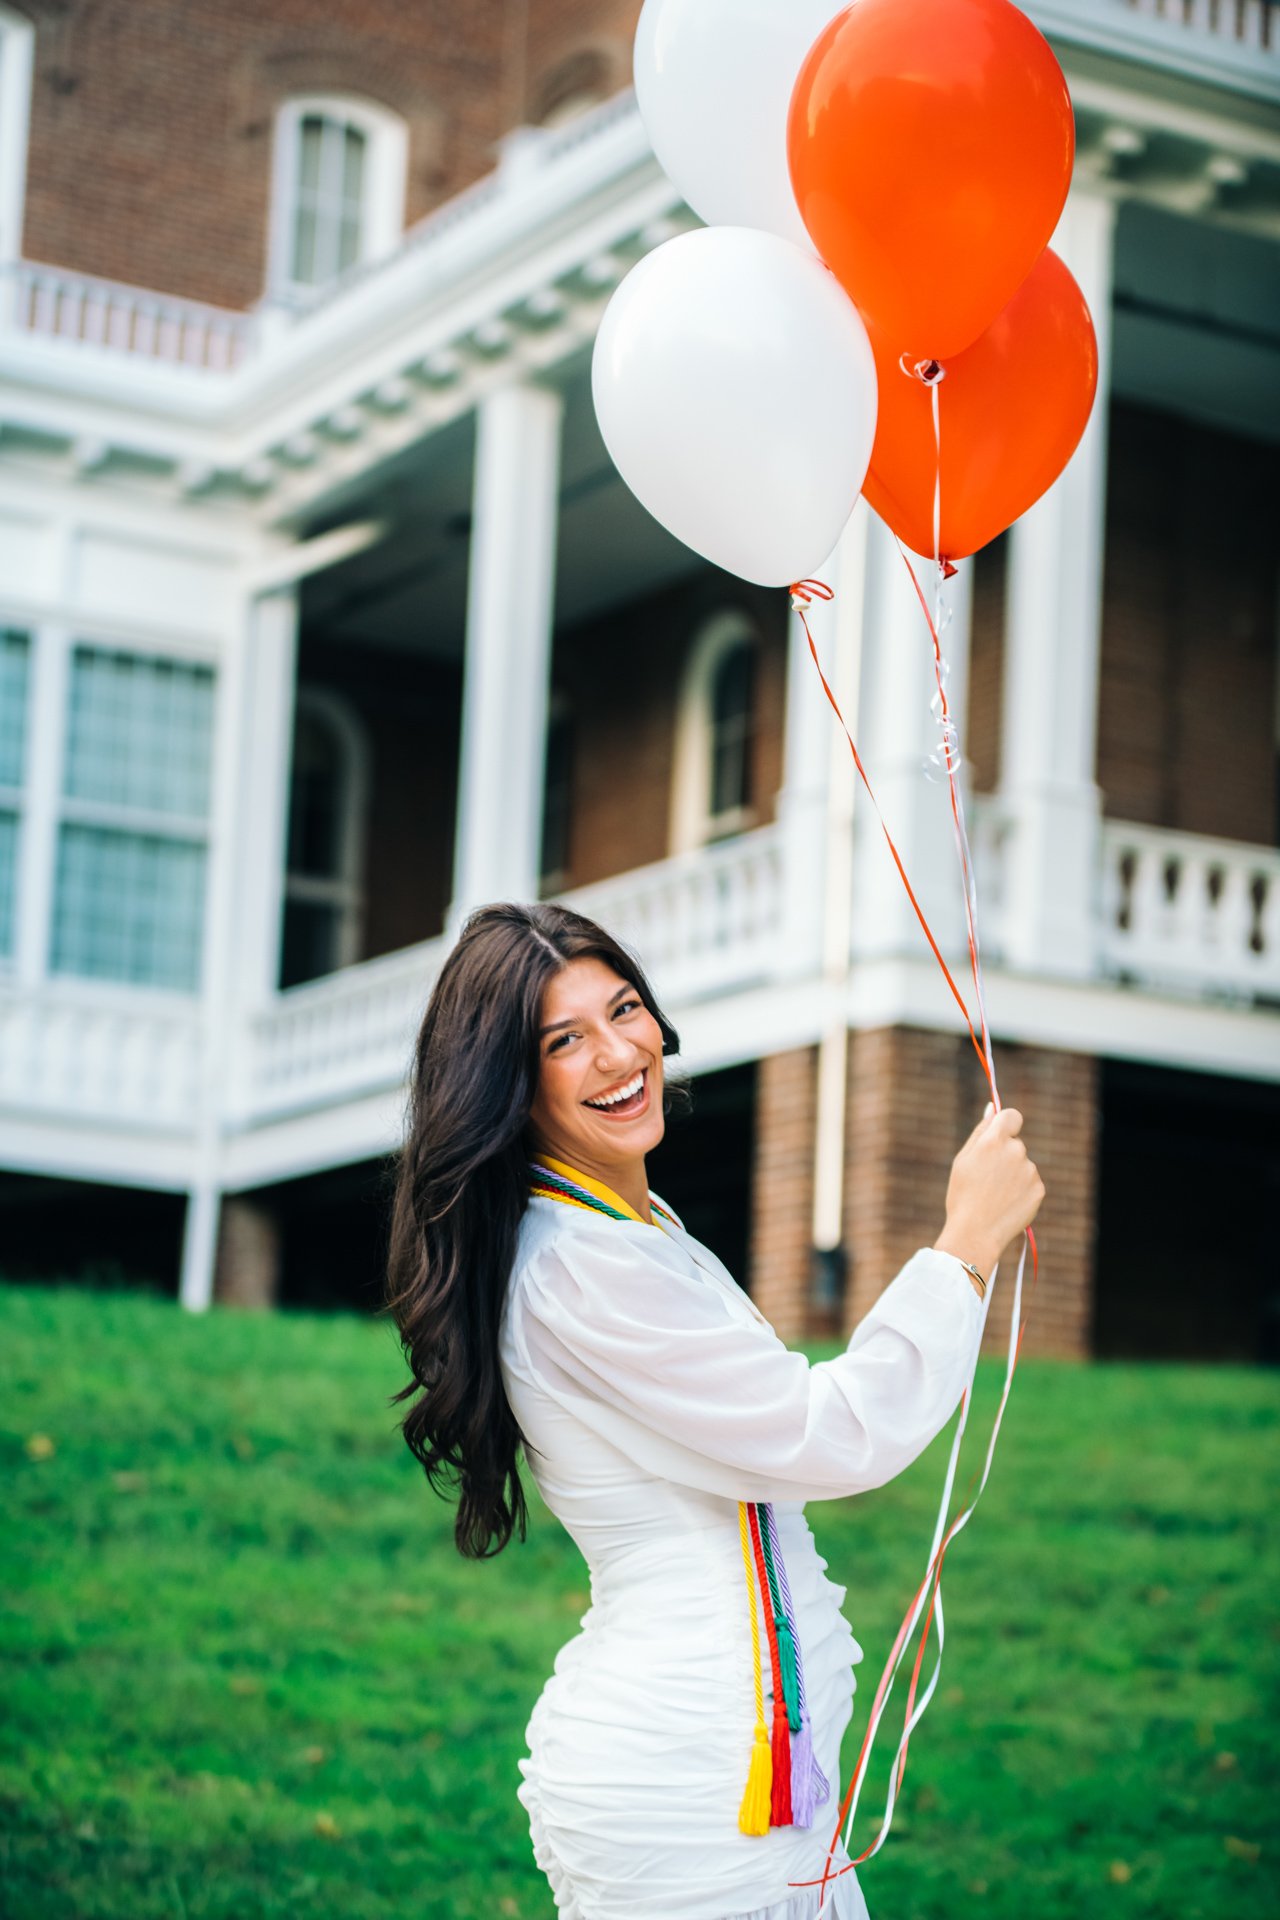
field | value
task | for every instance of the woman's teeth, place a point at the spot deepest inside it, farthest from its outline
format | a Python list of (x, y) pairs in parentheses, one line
[(629, 1092)]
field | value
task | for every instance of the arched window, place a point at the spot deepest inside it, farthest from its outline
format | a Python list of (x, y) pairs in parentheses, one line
[(338, 196), (713, 793), (579, 83), (17, 52), (324, 881)]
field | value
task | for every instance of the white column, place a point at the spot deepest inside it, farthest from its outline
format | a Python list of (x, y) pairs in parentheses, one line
[(815, 803), (264, 759), (898, 731), (199, 1248), (1053, 630), (252, 745), (510, 606)]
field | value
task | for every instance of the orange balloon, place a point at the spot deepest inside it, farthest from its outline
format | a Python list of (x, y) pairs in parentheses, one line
[(1011, 411), (931, 144)]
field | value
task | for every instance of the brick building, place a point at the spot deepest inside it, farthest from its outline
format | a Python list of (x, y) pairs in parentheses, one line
[(324, 615)]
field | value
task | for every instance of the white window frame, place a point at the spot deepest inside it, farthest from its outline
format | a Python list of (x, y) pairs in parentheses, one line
[(693, 823), (113, 816), (385, 173), (346, 889), (45, 805), (17, 64), (14, 798)]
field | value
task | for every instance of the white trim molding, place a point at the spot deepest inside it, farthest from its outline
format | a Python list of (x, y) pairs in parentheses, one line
[(17, 62)]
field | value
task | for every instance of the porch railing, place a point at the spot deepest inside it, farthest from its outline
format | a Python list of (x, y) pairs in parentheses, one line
[(59, 304), (337, 1038), (1182, 910), (1176, 911), (1252, 23), (69, 1052), (703, 923)]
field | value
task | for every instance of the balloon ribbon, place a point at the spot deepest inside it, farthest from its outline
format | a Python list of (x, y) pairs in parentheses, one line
[(803, 594)]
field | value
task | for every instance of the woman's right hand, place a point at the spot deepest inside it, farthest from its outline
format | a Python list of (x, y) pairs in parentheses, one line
[(994, 1191)]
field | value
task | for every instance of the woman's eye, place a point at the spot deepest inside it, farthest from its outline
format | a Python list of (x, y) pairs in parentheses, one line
[(626, 1006), (561, 1040)]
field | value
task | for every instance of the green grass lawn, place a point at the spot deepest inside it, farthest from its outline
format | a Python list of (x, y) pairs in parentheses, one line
[(244, 1672)]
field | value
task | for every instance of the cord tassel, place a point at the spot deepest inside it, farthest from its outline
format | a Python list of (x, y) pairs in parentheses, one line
[(809, 1787), (753, 1814)]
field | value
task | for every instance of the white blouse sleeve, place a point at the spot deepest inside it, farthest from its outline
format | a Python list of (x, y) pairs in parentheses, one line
[(667, 1368)]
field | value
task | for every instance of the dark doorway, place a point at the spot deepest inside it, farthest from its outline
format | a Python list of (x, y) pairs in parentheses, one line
[(1188, 1192), (703, 1166)]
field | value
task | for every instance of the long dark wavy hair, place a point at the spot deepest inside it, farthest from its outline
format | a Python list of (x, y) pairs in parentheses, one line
[(461, 1187)]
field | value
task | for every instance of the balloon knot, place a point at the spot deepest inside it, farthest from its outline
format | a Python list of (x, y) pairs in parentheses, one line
[(805, 592), (949, 569), (930, 373)]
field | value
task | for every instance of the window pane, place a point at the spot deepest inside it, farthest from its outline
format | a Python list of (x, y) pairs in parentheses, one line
[(128, 906), (310, 943), (732, 722), (317, 801), (310, 142), (348, 242), (140, 732), (305, 269), (15, 650), (8, 877), (352, 166), (330, 199)]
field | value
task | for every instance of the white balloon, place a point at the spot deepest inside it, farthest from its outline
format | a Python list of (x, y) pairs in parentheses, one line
[(736, 391), (714, 80)]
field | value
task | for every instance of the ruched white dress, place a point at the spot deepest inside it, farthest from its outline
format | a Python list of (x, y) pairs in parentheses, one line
[(653, 1397)]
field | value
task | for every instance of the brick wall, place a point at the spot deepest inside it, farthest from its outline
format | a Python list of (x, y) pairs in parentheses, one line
[(1187, 710), (247, 1272), (913, 1098), (1186, 731), (622, 678), (782, 1189), (151, 120)]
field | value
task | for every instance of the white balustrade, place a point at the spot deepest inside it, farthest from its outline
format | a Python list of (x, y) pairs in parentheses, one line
[(1188, 912), (61, 305), (1250, 22), (349, 1034), (75, 1053), (702, 923)]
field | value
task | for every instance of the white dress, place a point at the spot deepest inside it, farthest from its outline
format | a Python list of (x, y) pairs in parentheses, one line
[(653, 1397)]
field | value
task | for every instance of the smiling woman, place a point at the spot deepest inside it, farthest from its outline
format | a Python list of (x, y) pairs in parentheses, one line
[(546, 1299)]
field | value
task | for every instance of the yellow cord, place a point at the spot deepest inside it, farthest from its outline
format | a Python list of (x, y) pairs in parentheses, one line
[(753, 1814)]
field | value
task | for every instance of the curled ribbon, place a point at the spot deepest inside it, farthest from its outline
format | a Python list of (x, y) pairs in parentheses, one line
[(803, 594)]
